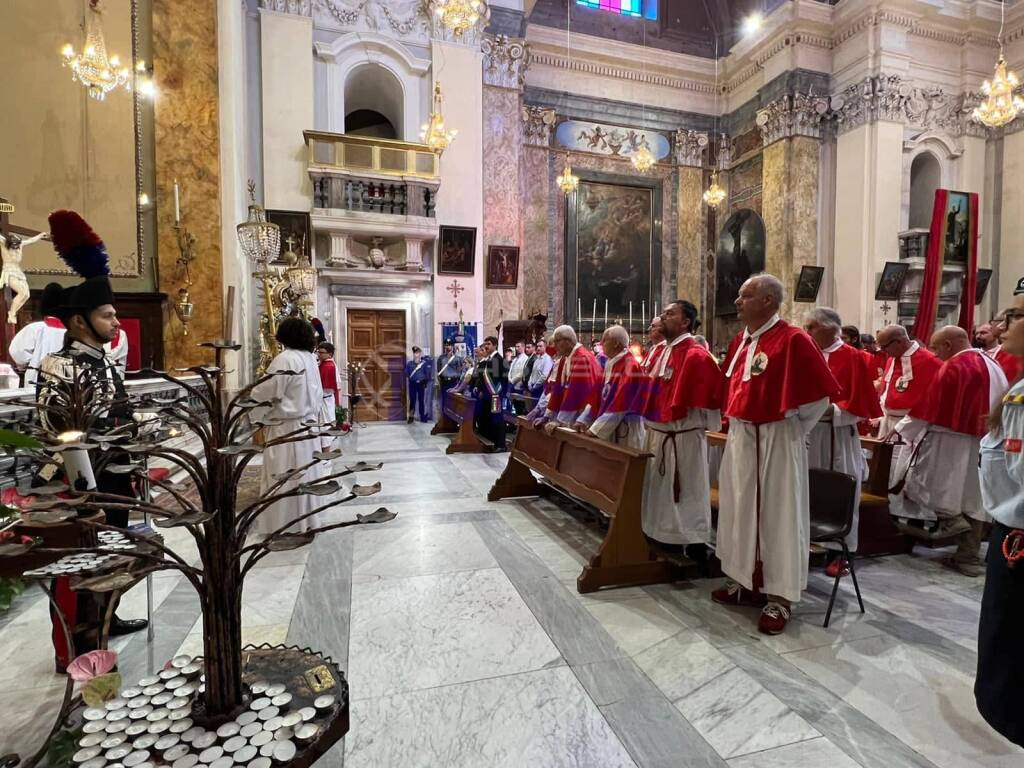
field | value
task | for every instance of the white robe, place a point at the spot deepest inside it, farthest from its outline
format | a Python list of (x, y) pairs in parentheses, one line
[(785, 501), (843, 453), (302, 400), (32, 344), (687, 521)]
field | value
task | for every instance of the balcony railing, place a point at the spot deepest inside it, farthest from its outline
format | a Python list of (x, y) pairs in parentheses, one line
[(365, 174)]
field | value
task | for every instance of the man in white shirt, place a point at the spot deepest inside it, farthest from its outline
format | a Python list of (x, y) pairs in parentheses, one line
[(541, 368), (517, 367)]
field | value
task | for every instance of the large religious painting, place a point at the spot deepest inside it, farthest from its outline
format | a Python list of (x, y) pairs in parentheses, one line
[(456, 250), (612, 239), (740, 255), (957, 227), (296, 231)]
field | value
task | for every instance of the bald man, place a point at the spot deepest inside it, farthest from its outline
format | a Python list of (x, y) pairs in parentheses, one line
[(577, 380), (619, 416), (656, 336), (938, 470), (906, 379), (777, 388)]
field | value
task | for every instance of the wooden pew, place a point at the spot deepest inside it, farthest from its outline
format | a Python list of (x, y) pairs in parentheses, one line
[(606, 476), (460, 410), (877, 534), (528, 404)]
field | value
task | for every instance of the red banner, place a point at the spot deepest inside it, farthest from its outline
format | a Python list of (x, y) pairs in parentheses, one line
[(938, 237)]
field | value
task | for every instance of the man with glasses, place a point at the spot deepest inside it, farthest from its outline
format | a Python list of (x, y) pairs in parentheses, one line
[(907, 377), (1002, 323)]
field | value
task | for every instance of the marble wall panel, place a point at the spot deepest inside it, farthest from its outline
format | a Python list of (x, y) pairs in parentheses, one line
[(746, 181), (689, 266), (187, 149), (537, 197), (503, 222)]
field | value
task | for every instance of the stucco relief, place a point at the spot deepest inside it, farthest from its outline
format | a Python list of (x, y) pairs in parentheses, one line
[(406, 19), (505, 61)]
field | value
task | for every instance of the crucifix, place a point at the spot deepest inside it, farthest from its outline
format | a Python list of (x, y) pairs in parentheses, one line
[(14, 284), (455, 289)]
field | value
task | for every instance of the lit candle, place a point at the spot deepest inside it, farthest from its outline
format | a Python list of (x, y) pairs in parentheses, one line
[(579, 311), (655, 310), (177, 204), (593, 316), (630, 326), (606, 313), (643, 315)]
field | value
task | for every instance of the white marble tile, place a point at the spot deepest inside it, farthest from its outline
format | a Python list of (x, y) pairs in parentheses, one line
[(536, 719), (272, 633), (814, 753), (28, 716), (418, 550), (681, 664), (26, 655), (441, 629), (133, 602), (922, 701), (268, 596), (636, 624)]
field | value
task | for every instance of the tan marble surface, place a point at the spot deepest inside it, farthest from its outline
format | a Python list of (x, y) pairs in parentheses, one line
[(533, 256), (691, 276), (187, 149)]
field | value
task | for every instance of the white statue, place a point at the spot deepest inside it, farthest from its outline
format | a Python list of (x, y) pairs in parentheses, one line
[(12, 273)]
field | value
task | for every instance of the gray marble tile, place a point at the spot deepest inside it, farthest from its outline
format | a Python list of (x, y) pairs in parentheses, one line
[(274, 634), (441, 629), (28, 716), (637, 623), (539, 718), (321, 616), (658, 736), (387, 552), (268, 595), (813, 753)]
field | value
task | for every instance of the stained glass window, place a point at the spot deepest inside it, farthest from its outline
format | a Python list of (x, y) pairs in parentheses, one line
[(636, 8)]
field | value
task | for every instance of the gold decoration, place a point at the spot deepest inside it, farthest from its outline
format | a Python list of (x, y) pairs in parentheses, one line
[(714, 195), (319, 679), (184, 309), (1001, 105), (642, 159), (567, 181), (92, 67), (433, 134), (459, 15)]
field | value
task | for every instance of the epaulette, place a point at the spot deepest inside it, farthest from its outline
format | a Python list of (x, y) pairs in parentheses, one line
[(1013, 399)]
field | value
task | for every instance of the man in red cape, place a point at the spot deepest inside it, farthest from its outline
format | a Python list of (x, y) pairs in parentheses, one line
[(577, 381), (939, 466), (834, 441), (656, 335), (619, 417), (686, 395), (906, 379), (777, 388), (1009, 363)]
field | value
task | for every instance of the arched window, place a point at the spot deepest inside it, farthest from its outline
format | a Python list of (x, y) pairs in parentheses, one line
[(925, 178), (648, 9), (373, 102)]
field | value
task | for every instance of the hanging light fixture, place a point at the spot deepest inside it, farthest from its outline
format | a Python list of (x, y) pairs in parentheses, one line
[(1001, 104), (459, 15), (567, 181), (433, 133), (260, 239), (642, 158), (92, 67), (715, 195)]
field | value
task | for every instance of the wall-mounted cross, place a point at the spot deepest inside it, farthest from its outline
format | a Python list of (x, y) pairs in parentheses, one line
[(455, 289)]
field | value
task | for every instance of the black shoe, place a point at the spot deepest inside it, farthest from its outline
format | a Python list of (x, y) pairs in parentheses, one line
[(409, 420), (120, 627)]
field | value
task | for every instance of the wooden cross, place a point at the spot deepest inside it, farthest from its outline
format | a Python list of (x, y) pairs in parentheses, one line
[(6, 229)]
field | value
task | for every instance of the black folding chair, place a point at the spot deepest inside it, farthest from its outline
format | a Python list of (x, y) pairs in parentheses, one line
[(833, 502)]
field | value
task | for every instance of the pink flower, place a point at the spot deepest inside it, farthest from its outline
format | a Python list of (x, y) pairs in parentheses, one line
[(92, 664)]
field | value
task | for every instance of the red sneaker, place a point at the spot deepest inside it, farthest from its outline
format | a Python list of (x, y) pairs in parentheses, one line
[(773, 619), (733, 594), (838, 567)]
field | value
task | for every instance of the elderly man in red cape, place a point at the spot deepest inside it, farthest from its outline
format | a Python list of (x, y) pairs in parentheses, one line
[(686, 395), (778, 387), (656, 335), (619, 417), (938, 470), (834, 441), (906, 379), (577, 382)]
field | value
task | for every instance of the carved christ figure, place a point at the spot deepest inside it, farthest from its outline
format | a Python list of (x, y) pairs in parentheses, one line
[(12, 273)]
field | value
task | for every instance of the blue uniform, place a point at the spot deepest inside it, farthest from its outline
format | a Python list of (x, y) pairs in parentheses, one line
[(419, 376)]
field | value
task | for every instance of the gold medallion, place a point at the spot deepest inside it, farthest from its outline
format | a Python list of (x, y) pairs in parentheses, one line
[(902, 385), (758, 364)]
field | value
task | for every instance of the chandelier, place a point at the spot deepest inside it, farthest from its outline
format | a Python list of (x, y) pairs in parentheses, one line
[(567, 181), (1001, 105), (714, 195), (433, 134), (642, 159), (92, 68), (259, 238), (458, 15)]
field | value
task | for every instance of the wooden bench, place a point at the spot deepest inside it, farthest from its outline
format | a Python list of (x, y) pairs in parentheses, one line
[(458, 412), (603, 475), (877, 534), (527, 401)]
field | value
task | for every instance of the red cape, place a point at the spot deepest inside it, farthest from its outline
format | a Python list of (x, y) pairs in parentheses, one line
[(1009, 363), (626, 390), (854, 371), (958, 398), (583, 386), (925, 365), (692, 380), (794, 374), (653, 355)]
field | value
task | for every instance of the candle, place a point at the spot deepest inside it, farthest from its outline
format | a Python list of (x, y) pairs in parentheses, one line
[(177, 204), (593, 316), (606, 313), (643, 315), (655, 310), (579, 311), (629, 328)]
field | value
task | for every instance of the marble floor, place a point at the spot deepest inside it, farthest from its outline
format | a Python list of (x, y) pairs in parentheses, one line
[(466, 644)]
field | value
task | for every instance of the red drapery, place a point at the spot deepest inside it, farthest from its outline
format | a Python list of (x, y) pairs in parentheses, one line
[(928, 307)]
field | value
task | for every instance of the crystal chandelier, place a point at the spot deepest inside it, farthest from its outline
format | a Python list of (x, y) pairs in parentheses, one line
[(1001, 105), (433, 133), (92, 68), (458, 15), (567, 181), (642, 159), (714, 195), (259, 238)]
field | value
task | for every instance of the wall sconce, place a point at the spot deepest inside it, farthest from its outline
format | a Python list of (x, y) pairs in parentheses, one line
[(184, 309)]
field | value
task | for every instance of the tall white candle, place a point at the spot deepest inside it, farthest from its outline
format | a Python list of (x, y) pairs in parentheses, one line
[(655, 310), (177, 204), (606, 313), (643, 315), (593, 316), (630, 326), (579, 311)]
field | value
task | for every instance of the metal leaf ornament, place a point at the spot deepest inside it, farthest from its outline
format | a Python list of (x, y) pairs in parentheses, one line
[(365, 490), (287, 541), (379, 515), (319, 489), (102, 689), (108, 582)]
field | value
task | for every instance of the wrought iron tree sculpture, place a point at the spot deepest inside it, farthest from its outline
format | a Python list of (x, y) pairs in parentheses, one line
[(226, 428)]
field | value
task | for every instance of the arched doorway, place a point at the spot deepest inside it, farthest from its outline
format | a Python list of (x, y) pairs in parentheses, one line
[(373, 103)]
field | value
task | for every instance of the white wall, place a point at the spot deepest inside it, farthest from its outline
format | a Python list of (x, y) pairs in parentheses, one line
[(1011, 256)]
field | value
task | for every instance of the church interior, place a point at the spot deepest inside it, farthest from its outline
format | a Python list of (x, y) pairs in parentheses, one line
[(436, 383)]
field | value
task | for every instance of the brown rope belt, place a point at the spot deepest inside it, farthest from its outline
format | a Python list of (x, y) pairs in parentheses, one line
[(669, 436)]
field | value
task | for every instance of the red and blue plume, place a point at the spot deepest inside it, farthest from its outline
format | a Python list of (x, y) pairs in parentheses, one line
[(318, 327), (78, 245)]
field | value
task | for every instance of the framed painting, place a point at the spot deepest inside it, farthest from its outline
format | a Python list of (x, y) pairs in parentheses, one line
[(456, 250), (613, 248), (740, 255), (808, 284), (295, 225), (502, 266), (891, 282)]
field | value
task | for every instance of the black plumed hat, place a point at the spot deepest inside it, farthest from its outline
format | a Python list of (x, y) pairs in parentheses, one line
[(83, 250)]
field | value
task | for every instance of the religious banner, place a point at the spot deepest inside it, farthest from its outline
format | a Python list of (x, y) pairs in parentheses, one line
[(952, 239), (462, 335)]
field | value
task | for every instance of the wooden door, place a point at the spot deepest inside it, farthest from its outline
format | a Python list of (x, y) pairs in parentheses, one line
[(376, 338)]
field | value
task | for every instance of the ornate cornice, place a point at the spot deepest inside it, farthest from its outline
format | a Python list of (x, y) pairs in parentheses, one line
[(559, 61), (505, 61), (538, 122), (297, 7), (792, 115), (690, 147)]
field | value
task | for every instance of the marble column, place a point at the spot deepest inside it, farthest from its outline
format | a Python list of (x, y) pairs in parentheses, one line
[(187, 149), (540, 199), (504, 70), (690, 147)]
